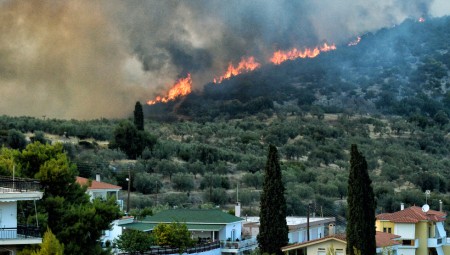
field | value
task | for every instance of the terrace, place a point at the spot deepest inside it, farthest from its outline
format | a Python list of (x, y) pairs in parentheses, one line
[(13, 190)]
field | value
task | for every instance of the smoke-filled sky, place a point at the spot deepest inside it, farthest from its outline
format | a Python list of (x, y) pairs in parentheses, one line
[(92, 59)]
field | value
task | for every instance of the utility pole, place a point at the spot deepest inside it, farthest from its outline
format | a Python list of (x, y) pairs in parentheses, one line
[(156, 202), (129, 189), (307, 222)]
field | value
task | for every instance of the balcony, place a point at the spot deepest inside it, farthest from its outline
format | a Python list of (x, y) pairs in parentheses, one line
[(409, 243), (8, 184), (436, 242), (14, 189), (20, 235), (238, 246)]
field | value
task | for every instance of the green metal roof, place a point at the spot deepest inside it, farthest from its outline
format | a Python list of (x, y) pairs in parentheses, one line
[(191, 227), (193, 216)]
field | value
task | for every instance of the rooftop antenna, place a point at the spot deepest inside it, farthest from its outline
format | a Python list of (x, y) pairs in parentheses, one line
[(426, 207)]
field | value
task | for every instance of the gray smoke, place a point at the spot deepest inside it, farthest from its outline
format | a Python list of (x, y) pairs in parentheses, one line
[(90, 59)]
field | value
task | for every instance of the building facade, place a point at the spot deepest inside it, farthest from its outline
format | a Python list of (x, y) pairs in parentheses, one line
[(421, 231), (14, 235)]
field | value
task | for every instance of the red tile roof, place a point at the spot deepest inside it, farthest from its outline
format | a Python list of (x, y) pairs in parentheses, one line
[(382, 240), (95, 184), (412, 214)]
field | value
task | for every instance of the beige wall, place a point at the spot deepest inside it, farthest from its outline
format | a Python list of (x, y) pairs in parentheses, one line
[(422, 235), (315, 248), (384, 224)]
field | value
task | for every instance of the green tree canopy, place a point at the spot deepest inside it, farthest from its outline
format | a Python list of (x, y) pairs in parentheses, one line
[(361, 206), (50, 245), (132, 141), (65, 208), (273, 230), (134, 241), (175, 234)]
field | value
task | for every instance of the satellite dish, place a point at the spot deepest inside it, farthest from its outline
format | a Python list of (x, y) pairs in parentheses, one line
[(425, 208)]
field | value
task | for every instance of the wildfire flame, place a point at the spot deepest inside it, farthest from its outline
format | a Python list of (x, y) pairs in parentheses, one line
[(183, 87), (421, 19), (355, 42), (246, 65), (280, 56)]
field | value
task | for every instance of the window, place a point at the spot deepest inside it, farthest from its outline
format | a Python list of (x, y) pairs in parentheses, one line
[(387, 230), (408, 242)]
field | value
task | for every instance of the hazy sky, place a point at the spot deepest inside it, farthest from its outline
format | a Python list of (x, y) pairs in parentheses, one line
[(92, 59)]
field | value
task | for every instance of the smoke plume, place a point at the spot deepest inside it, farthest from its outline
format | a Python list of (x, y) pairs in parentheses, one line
[(90, 59)]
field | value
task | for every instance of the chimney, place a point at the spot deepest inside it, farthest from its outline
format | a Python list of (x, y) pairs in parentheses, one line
[(237, 209), (331, 229), (402, 206), (440, 206), (97, 177)]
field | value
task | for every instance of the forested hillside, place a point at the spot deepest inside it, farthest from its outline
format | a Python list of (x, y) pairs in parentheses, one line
[(389, 94)]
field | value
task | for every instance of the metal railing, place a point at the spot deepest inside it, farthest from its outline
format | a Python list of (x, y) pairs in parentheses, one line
[(8, 184), (166, 250), (21, 232), (244, 244)]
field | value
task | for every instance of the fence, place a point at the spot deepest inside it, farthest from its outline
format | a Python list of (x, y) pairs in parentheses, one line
[(21, 232), (166, 250), (8, 184)]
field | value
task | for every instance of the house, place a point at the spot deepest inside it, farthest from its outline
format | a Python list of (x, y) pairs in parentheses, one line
[(421, 230), (205, 225), (99, 189), (298, 227), (12, 234), (115, 231), (386, 244)]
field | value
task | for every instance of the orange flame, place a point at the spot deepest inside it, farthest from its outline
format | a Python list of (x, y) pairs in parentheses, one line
[(280, 56), (421, 19), (183, 87), (355, 42), (246, 65)]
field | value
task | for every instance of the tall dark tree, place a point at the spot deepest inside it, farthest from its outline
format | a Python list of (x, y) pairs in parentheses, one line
[(138, 116), (361, 207), (273, 231), (130, 140)]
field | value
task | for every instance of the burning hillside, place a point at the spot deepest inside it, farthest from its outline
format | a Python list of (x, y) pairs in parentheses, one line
[(183, 87)]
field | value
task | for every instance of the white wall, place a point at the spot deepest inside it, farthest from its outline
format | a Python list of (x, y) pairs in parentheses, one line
[(300, 236), (405, 230), (406, 251), (225, 233), (114, 233), (8, 214)]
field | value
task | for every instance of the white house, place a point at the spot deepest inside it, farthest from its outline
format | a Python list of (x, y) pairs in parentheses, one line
[(298, 227), (12, 234), (99, 189), (207, 226)]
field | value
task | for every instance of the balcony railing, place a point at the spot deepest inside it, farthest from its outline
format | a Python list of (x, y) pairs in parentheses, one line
[(8, 184), (196, 249), (240, 245), (21, 232)]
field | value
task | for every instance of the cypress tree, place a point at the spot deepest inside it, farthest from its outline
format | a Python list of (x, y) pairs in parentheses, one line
[(273, 230), (138, 116), (361, 207)]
